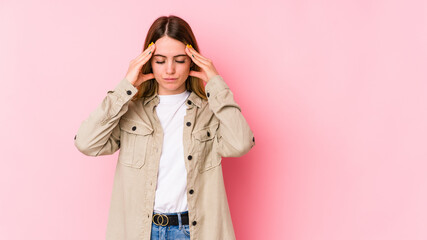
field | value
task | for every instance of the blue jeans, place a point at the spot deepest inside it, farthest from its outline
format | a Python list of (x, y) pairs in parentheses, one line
[(180, 232)]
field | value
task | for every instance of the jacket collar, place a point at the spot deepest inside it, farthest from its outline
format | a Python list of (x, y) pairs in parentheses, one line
[(193, 98)]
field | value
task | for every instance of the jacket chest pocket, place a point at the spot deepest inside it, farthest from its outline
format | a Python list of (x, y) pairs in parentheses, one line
[(134, 139), (206, 143)]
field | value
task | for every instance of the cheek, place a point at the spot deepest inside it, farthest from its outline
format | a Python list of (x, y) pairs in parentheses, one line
[(184, 67), (156, 68)]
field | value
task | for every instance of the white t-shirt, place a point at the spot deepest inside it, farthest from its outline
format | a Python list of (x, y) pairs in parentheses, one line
[(171, 190)]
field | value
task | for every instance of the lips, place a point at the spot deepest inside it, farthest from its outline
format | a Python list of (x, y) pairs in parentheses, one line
[(171, 79)]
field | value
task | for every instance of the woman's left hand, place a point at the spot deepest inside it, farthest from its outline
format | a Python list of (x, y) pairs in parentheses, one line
[(208, 69)]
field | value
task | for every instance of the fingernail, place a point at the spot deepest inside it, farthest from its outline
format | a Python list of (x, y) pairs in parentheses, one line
[(191, 46), (150, 44)]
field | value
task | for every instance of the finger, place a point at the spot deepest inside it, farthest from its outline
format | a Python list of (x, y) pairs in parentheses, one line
[(196, 59), (201, 59), (192, 50), (146, 52), (146, 56), (197, 54)]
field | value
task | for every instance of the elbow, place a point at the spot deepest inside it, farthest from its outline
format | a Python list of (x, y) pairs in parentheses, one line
[(239, 149), (245, 146), (83, 147)]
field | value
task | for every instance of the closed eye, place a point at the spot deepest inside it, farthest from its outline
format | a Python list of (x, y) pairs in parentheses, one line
[(176, 61)]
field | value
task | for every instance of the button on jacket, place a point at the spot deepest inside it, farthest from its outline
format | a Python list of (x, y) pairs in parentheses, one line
[(213, 129)]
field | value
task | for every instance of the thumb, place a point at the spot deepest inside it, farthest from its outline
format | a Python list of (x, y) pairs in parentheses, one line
[(197, 75), (147, 76)]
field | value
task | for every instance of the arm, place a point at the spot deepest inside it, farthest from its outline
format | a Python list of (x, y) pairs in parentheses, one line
[(99, 134), (235, 138)]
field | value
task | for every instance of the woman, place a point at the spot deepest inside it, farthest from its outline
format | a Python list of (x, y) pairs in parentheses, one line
[(172, 132)]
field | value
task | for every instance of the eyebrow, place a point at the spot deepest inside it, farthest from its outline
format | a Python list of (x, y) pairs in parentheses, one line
[(159, 55)]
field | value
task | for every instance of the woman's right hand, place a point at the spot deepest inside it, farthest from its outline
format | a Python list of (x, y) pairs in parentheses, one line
[(134, 74)]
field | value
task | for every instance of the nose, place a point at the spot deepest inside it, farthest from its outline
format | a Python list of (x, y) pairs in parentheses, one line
[(170, 69)]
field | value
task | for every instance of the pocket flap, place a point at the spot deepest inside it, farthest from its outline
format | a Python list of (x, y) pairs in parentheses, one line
[(206, 133), (135, 127)]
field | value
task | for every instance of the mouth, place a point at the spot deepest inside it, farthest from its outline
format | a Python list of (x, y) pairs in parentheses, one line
[(170, 79)]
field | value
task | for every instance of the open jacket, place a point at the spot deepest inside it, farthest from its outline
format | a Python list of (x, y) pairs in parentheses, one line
[(213, 128)]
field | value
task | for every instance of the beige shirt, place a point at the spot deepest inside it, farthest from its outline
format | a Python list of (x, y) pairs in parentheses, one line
[(213, 129)]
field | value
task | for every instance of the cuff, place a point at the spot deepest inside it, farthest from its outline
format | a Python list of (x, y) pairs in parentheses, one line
[(124, 91), (214, 86)]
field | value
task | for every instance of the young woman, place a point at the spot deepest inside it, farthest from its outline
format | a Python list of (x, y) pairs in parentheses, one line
[(172, 131)]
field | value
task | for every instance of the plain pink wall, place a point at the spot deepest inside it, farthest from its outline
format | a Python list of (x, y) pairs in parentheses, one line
[(335, 92)]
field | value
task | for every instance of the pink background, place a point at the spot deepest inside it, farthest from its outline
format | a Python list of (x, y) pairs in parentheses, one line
[(335, 92)]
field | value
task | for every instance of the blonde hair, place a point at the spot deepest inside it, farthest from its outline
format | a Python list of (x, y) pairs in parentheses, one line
[(176, 28)]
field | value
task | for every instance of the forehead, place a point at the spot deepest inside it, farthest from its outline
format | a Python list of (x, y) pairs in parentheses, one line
[(169, 47)]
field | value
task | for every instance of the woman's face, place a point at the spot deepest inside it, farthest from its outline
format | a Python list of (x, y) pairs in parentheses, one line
[(170, 61)]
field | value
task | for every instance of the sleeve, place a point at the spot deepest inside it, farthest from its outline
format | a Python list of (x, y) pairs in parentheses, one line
[(235, 137), (99, 134)]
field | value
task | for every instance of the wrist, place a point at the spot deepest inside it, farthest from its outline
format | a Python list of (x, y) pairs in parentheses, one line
[(130, 81)]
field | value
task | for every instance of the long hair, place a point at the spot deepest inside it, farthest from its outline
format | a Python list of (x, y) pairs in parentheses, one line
[(176, 28)]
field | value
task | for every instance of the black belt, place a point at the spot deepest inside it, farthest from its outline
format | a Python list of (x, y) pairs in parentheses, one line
[(170, 219)]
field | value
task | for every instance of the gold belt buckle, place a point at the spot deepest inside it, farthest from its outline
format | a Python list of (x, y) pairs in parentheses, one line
[(164, 219)]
